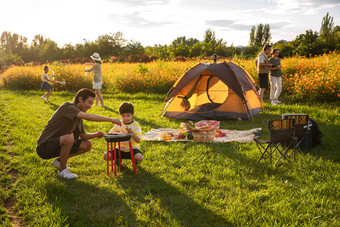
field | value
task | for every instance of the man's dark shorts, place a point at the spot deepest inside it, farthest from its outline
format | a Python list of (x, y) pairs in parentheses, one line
[(263, 80), (51, 148)]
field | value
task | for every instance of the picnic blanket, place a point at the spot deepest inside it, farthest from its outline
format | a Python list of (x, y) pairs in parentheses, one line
[(243, 136)]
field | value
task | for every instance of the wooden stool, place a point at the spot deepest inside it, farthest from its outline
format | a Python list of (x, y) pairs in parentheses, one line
[(117, 139)]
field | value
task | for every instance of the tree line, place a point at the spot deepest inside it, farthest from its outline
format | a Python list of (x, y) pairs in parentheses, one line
[(15, 49)]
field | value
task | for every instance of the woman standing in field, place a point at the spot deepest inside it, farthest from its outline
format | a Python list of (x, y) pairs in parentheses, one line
[(275, 77), (45, 85), (97, 77)]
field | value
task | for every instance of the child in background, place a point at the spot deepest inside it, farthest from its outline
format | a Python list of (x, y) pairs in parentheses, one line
[(97, 77), (126, 111), (45, 85)]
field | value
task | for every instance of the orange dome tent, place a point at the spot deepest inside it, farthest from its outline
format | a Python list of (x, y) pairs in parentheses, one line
[(213, 91)]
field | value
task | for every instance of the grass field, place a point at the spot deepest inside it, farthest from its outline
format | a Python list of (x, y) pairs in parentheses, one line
[(178, 184)]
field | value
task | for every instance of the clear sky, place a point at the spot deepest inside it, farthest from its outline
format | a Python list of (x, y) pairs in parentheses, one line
[(161, 21)]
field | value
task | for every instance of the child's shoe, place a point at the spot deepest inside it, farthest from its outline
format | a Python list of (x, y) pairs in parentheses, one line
[(43, 97)]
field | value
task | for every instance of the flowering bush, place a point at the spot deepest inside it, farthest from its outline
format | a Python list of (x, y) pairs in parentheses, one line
[(303, 78)]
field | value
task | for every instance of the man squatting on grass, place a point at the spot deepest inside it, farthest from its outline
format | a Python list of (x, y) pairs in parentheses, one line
[(60, 137)]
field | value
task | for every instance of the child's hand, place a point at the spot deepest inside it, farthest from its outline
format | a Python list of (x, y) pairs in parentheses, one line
[(127, 128)]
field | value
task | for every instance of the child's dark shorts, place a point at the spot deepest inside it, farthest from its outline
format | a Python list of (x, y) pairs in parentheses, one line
[(45, 86), (51, 148), (127, 155), (263, 80)]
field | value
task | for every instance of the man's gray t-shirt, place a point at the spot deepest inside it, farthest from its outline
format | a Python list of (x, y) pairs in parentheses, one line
[(63, 121)]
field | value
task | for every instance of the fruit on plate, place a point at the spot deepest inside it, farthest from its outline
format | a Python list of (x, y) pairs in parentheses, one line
[(165, 136), (181, 135), (219, 133)]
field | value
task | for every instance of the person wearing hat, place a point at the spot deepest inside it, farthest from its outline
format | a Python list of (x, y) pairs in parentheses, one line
[(97, 77)]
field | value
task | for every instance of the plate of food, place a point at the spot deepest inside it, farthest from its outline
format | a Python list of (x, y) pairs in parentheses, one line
[(117, 137)]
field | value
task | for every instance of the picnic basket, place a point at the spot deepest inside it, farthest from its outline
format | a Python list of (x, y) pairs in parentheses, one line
[(204, 135)]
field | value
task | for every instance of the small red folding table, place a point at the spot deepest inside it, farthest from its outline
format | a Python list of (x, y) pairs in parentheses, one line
[(117, 138)]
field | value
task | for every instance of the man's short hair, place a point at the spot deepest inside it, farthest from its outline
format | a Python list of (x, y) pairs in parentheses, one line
[(84, 93), (266, 47), (126, 107)]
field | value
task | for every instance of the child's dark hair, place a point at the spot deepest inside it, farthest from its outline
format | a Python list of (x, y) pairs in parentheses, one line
[(46, 67), (84, 94), (126, 107)]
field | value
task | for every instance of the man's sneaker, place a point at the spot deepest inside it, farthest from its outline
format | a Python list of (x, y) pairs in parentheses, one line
[(273, 103), (43, 97), (56, 163), (101, 106), (278, 101), (66, 174)]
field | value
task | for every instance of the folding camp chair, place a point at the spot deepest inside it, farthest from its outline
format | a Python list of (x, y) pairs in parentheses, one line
[(281, 139), (301, 130)]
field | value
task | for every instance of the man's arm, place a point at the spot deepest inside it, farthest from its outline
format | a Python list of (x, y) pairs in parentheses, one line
[(261, 62), (265, 65), (98, 118), (88, 136)]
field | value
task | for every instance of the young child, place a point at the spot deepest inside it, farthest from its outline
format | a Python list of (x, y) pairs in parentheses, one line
[(126, 111), (45, 85), (97, 77)]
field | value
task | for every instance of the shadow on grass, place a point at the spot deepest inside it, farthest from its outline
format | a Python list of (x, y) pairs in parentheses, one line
[(83, 204), (53, 106), (329, 148), (183, 209)]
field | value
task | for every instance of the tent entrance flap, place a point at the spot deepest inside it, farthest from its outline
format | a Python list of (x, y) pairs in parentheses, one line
[(208, 95)]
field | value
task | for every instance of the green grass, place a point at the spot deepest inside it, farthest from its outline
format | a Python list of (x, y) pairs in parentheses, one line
[(178, 184)]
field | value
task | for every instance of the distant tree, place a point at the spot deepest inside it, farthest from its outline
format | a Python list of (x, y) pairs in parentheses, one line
[(12, 43), (326, 30), (252, 36), (50, 52), (178, 40), (184, 41), (195, 50), (308, 44), (68, 51), (336, 31), (210, 37), (110, 44), (134, 47), (286, 48), (266, 34), (259, 35), (181, 50), (39, 41)]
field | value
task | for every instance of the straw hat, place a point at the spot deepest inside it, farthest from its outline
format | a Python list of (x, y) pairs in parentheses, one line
[(96, 57)]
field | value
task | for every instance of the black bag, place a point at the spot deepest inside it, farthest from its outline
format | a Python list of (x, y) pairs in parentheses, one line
[(316, 133)]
